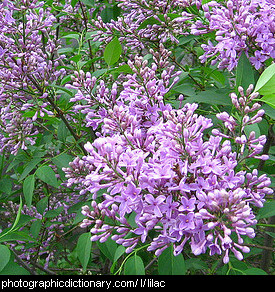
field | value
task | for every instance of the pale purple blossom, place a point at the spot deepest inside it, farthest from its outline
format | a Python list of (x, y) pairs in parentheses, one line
[(240, 27), (163, 170)]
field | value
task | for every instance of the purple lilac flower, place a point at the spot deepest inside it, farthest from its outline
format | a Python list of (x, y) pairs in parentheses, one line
[(166, 20), (245, 105), (17, 132), (27, 66), (162, 168), (240, 26)]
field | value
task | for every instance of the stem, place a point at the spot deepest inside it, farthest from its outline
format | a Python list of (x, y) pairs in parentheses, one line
[(268, 244), (266, 225), (183, 69), (2, 164), (61, 115), (59, 112), (261, 247), (268, 240), (269, 142), (49, 272), (130, 254), (57, 109), (86, 28), (22, 263)]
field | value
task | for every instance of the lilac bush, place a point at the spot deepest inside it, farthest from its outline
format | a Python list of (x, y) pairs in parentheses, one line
[(136, 131)]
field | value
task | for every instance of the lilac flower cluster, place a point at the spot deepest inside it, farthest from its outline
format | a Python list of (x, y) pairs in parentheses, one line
[(15, 131), (248, 146), (28, 63), (240, 26), (144, 21), (163, 181)]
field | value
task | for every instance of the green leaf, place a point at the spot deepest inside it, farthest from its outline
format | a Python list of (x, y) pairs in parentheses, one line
[(269, 111), (210, 96), (134, 266), (76, 58), (267, 210), (244, 72), (28, 188), (271, 234), (266, 86), (4, 256), (62, 160), (215, 74), (254, 127), (186, 39), (15, 236), (71, 36), (168, 264), (269, 99), (42, 205), (99, 72), (125, 69), (205, 1), (35, 228), (12, 268), (62, 132), (195, 264), (54, 212), (112, 51), (266, 82), (254, 271), (47, 175), (108, 248), (73, 3), (65, 50), (18, 216), (71, 92), (6, 185), (118, 253), (109, 13), (89, 3), (149, 21), (83, 249), (30, 166)]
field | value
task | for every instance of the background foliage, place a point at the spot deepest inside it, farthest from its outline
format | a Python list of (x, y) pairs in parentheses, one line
[(45, 49)]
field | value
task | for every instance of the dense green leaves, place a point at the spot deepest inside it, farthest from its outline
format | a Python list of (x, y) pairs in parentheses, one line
[(44, 214)]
